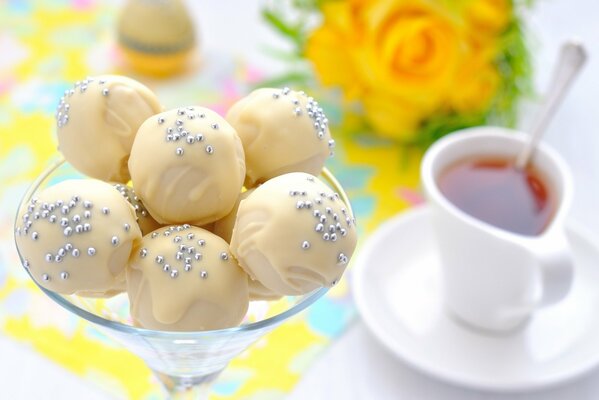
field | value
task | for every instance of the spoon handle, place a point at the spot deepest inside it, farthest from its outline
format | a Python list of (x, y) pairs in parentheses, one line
[(571, 59)]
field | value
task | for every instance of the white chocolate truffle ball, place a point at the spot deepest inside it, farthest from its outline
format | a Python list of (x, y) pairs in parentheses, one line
[(293, 234), (187, 166), (282, 131), (97, 122), (76, 237), (224, 226), (183, 278), (145, 221)]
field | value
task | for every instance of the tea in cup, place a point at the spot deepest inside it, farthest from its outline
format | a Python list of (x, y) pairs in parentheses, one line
[(499, 229)]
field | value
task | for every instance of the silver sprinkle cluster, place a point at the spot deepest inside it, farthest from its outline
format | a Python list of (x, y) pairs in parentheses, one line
[(329, 225), (62, 111), (129, 194), (312, 110), (175, 131), (70, 217), (187, 252)]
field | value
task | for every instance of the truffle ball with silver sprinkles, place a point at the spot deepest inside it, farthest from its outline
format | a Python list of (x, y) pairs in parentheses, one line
[(85, 118), (317, 244), (55, 248), (174, 147), (304, 144), (167, 264)]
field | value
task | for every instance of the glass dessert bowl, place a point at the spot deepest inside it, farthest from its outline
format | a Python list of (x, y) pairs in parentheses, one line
[(184, 362)]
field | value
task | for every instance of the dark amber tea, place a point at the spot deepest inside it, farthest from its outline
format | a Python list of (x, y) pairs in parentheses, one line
[(493, 190)]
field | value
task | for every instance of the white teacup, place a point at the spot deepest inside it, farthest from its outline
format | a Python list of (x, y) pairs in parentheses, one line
[(494, 279)]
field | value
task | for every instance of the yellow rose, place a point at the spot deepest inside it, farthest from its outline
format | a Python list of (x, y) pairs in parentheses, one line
[(406, 60), (409, 50)]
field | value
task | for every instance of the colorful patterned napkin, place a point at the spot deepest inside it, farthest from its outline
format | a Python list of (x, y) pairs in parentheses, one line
[(45, 46)]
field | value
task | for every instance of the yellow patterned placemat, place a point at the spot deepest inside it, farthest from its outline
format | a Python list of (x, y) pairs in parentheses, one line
[(47, 45)]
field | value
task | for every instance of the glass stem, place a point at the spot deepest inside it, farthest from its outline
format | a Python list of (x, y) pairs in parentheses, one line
[(187, 387)]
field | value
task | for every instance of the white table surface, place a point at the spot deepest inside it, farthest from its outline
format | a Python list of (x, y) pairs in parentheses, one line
[(356, 366)]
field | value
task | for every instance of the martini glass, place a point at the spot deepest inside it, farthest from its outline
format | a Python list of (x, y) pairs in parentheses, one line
[(185, 362)]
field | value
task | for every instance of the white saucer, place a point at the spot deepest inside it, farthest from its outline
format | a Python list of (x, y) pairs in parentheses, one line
[(397, 290)]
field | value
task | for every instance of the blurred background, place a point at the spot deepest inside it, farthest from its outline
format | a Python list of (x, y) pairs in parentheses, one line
[(393, 76)]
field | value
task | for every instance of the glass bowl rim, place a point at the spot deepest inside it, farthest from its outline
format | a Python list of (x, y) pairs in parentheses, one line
[(306, 301)]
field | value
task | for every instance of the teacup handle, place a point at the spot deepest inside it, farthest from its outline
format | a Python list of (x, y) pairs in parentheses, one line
[(556, 269)]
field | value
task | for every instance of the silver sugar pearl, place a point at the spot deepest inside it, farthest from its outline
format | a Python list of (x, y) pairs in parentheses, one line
[(209, 149), (75, 253), (105, 92), (159, 259), (58, 259), (179, 151), (166, 267), (45, 277), (35, 235), (319, 228), (198, 256), (342, 259), (174, 273), (143, 253), (214, 126), (114, 241), (201, 242), (126, 227), (188, 267), (203, 274), (305, 245), (87, 227), (87, 204), (224, 256), (64, 275), (91, 251), (68, 231), (62, 252), (160, 120), (68, 247), (49, 258), (79, 228)]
